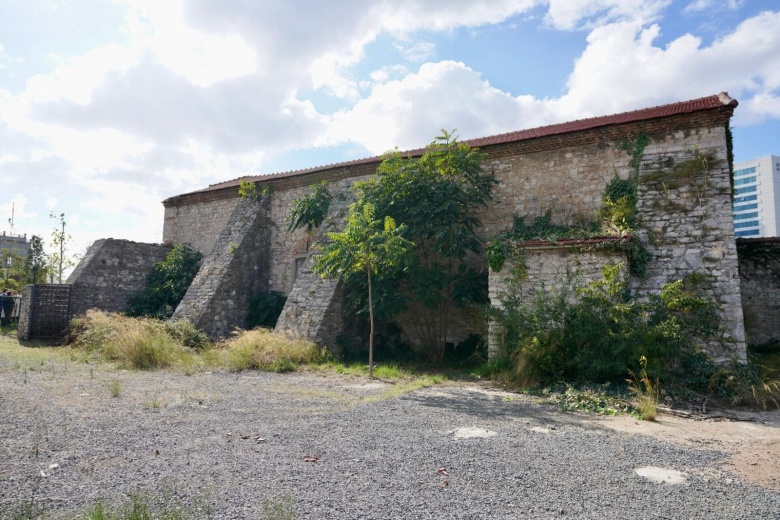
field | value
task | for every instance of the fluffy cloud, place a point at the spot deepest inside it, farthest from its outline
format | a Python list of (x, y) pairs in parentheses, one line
[(621, 69), (572, 14)]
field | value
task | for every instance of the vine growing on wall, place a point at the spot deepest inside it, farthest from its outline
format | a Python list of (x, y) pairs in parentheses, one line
[(617, 216), (730, 156)]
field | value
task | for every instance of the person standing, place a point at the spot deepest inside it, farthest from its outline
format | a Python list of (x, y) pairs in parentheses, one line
[(5, 314)]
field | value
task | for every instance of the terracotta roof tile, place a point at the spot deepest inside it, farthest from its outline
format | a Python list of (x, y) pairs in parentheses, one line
[(683, 107)]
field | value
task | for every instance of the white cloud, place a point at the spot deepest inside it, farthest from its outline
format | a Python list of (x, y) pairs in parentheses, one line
[(419, 51), (621, 69), (408, 113), (573, 14), (710, 5)]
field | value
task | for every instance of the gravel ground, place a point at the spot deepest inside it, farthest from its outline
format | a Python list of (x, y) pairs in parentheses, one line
[(338, 448)]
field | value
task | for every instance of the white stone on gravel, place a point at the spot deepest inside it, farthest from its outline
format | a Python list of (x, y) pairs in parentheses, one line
[(473, 433), (661, 475)]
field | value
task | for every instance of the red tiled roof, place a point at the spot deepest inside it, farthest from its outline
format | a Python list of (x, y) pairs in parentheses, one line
[(683, 107)]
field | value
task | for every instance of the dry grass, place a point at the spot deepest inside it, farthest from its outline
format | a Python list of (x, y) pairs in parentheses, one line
[(646, 392), (263, 349), (139, 343)]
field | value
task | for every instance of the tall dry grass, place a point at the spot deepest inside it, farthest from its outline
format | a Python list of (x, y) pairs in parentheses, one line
[(139, 343), (263, 349)]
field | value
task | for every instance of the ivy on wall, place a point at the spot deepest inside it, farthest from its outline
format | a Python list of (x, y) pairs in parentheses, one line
[(617, 216)]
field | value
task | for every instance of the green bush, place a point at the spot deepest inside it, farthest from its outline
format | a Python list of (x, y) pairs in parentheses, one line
[(184, 332), (602, 335), (265, 309), (167, 284)]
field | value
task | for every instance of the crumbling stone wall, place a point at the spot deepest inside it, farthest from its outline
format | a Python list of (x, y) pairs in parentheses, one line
[(759, 271), (685, 222), (110, 273), (547, 269), (235, 270), (285, 247)]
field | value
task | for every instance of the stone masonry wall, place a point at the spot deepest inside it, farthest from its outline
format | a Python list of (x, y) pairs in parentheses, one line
[(565, 174), (314, 307), (569, 182), (235, 270), (685, 223), (759, 270), (286, 246), (548, 270), (110, 273), (198, 225)]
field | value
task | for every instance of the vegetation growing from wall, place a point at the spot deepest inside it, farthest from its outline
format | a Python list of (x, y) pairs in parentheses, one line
[(603, 335), (310, 210), (616, 217), (167, 283)]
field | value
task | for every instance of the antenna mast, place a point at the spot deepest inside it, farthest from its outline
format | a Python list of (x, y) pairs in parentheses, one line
[(11, 220)]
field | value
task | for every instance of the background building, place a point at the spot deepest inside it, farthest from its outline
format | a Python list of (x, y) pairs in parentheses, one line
[(757, 197), (13, 248)]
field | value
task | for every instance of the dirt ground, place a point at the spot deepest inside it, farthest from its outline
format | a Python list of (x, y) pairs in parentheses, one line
[(753, 445)]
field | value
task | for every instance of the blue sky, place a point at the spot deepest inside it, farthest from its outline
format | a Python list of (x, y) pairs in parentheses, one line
[(107, 107)]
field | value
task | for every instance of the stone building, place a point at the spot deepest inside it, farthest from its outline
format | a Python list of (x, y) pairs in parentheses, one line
[(686, 226), (684, 220)]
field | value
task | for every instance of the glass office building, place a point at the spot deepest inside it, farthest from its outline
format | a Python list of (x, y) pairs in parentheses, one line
[(756, 197)]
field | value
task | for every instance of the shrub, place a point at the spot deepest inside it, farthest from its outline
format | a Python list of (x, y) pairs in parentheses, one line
[(263, 349), (139, 343), (167, 283), (264, 309), (602, 335), (184, 331)]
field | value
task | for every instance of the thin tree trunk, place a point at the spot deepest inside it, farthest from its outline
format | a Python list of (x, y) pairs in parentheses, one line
[(371, 334)]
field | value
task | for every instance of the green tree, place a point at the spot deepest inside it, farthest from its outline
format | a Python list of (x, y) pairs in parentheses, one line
[(437, 196), (368, 246), (167, 283), (59, 260), (310, 210), (35, 265)]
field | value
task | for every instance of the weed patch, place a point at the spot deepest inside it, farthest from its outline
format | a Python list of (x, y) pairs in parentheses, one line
[(262, 349), (137, 343)]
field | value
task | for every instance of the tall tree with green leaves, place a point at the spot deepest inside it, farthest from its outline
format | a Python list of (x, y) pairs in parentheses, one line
[(35, 265), (437, 196), (369, 246)]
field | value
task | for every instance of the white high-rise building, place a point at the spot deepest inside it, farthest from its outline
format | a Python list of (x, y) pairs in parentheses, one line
[(757, 197)]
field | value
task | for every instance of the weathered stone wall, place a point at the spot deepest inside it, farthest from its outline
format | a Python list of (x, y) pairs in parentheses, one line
[(759, 271), (110, 273), (565, 174), (547, 269), (235, 270), (198, 225), (685, 222), (23, 329), (569, 182), (286, 246), (314, 307)]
